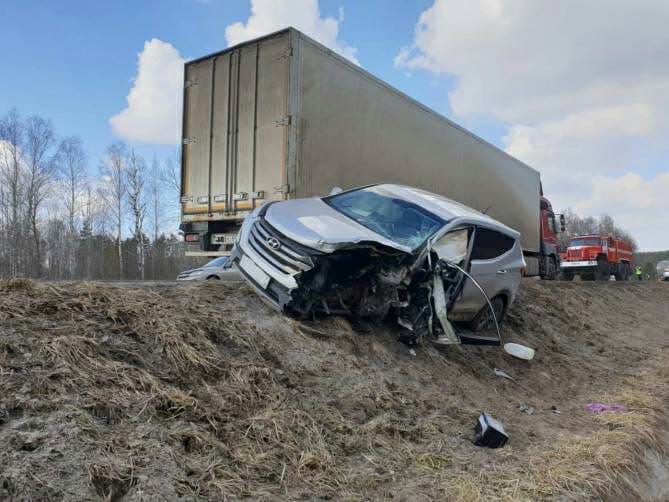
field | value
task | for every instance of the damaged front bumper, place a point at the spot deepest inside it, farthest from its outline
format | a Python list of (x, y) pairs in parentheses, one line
[(360, 280), (269, 261)]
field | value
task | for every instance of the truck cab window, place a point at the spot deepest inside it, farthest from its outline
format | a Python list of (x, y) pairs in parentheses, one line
[(489, 244), (551, 223)]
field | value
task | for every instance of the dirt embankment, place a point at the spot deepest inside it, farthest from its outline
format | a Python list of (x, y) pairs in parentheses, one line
[(203, 392)]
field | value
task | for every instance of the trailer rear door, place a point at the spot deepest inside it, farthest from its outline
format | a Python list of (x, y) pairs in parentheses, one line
[(235, 128)]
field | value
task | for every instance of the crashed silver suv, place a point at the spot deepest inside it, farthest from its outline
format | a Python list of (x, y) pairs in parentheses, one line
[(379, 250)]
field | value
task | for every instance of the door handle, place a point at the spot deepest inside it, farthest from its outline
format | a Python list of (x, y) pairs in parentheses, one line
[(502, 272)]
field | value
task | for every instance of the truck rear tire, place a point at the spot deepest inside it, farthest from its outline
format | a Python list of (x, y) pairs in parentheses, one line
[(622, 272), (603, 271), (551, 269)]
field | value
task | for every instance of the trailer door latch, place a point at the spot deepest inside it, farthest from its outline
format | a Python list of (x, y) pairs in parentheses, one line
[(283, 122), (189, 141), (282, 189)]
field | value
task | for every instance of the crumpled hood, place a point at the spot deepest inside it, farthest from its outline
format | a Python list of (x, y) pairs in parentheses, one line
[(312, 223)]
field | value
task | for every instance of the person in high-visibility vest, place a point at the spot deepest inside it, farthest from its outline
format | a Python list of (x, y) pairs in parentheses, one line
[(638, 272)]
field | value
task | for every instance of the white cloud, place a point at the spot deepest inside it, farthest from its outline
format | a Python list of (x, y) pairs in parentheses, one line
[(583, 88), (640, 204), (268, 16), (153, 114)]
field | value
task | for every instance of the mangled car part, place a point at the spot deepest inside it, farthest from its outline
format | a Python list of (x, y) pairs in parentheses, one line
[(374, 251)]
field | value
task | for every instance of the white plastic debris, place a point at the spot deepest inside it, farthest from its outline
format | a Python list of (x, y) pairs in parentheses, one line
[(498, 372), (519, 351)]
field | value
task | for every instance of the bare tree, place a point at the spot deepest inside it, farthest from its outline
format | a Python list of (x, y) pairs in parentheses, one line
[(73, 175), (11, 174), (137, 205), (113, 191), (604, 225), (171, 177), (155, 197), (40, 159)]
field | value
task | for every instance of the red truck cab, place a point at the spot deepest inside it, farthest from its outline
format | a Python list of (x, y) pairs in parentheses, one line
[(597, 257), (549, 265)]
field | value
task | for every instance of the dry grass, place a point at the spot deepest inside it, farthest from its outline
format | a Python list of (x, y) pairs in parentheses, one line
[(188, 389)]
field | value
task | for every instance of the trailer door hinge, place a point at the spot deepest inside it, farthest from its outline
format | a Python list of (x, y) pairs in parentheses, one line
[(190, 83), (240, 196), (282, 189), (258, 195), (220, 197), (283, 121), (186, 198), (189, 141)]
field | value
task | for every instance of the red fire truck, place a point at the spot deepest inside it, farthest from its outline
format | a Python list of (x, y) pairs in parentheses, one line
[(597, 257)]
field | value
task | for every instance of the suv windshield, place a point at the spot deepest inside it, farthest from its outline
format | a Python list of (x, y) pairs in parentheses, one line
[(381, 211), (584, 242)]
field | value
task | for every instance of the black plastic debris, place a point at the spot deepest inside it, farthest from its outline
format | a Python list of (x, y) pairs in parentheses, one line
[(489, 432)]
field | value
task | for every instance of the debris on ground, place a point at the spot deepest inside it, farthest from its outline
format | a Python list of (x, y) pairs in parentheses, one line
[(526, 409), (519, 351), (503, 374), (489, 432), (604, 407)]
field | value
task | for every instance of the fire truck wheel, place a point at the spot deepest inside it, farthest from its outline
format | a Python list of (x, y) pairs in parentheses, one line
[(567, 276)]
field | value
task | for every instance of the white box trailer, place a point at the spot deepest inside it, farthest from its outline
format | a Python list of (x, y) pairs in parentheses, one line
[(284, 117)]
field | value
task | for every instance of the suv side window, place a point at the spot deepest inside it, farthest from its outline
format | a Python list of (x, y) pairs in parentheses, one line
[(489, 244)]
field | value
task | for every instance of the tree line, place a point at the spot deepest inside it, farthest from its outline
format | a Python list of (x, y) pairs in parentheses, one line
[(58, 220), (604, 225)]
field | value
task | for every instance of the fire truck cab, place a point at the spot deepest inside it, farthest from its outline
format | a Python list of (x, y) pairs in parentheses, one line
[(597, 257)]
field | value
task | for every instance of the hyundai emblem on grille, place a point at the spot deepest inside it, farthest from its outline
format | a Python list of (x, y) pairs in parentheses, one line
[(273, 243)]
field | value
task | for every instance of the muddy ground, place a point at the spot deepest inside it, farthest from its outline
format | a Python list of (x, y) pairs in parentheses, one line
[(201, 391)]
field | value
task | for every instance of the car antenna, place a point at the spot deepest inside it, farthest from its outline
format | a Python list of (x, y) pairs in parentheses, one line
[(485, 211)]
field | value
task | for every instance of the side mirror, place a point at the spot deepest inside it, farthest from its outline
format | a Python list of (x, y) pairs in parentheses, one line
[(336, 190), (562, 223)]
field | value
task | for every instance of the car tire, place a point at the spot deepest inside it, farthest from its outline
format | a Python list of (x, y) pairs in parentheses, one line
[(483, 320), (213, 278)]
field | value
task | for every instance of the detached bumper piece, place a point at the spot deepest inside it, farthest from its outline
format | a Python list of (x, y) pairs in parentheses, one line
[(489, 432)]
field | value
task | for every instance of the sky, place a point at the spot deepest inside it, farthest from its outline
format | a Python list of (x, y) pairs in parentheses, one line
[(578, 90)]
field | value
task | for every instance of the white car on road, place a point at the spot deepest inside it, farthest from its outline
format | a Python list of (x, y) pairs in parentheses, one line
[(220, 268)]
